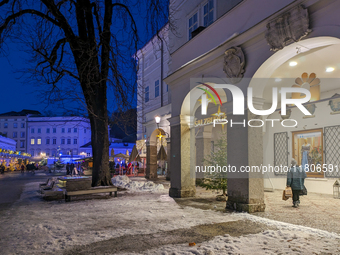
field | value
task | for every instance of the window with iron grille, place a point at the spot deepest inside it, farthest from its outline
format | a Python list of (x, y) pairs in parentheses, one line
[(281, 150), (332, 150)]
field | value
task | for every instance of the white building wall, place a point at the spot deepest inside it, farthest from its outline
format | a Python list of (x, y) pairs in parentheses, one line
[(232, 19), (46, 134), (15, 127), (245, 26), (149, 72)]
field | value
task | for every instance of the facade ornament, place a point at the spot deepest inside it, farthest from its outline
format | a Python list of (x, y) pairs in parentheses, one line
[(335, 104), (234, 62), (289, 27)]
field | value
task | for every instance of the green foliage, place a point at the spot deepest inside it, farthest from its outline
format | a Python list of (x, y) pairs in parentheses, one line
[(216, 180)]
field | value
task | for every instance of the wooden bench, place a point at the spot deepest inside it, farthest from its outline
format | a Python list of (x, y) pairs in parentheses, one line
[(94, 190)]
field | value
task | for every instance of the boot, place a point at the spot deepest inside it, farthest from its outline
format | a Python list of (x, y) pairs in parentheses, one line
[(298, 203), (295, 204)]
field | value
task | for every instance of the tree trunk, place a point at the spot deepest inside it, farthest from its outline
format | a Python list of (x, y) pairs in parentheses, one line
[(100, 145)]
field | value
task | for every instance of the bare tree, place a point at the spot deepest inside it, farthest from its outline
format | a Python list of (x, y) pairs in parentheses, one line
[(77, 47)]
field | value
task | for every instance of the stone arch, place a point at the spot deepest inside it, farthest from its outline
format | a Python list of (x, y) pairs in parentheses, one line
[(152, 148), (280, 57)]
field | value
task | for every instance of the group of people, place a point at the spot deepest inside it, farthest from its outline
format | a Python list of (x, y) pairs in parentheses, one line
[(127, 168), (74, 169)]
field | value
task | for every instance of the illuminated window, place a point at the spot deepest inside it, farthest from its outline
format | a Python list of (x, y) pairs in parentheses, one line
[(39, 141), (32, 141)]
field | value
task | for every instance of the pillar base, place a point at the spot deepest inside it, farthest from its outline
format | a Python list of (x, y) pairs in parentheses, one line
[(242, 207), (151, 172), (181, 193)]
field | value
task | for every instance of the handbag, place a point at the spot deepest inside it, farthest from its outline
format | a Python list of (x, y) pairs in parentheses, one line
[(287, 193), (304, 191)]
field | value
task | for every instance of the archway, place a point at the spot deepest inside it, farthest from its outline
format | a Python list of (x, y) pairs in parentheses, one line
[(156, 140), (185, 131), (313, 64)]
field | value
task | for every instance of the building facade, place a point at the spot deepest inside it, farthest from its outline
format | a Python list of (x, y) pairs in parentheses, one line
[(154, 99), (284, 45), (48, 135), (45, 136), (14, 125), (116, 146)]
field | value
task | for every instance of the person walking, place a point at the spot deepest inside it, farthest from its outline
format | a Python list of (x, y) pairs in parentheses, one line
[(296, 179), (68, 168), (22, 167), (74, 170)]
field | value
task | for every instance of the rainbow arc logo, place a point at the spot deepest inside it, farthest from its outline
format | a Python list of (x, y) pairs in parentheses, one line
[(209, 93)]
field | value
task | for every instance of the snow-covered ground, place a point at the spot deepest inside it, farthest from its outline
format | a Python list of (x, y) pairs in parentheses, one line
[(123, 181), (33, 226), (267, 242)]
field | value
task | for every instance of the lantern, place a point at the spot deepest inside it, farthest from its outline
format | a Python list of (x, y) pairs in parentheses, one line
[(336, 189)]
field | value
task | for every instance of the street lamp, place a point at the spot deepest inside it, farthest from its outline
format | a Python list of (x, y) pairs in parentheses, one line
[(158, 120)]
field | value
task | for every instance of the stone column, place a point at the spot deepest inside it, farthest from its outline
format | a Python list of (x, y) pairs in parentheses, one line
[(203, 149), (182, 158), (245, 190), (168, 151), (151, 160)]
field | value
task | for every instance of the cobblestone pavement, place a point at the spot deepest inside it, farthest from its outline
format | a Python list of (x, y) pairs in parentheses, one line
[(316, 210)]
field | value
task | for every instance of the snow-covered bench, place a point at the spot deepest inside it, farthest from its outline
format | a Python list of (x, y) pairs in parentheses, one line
[(93, 190)]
